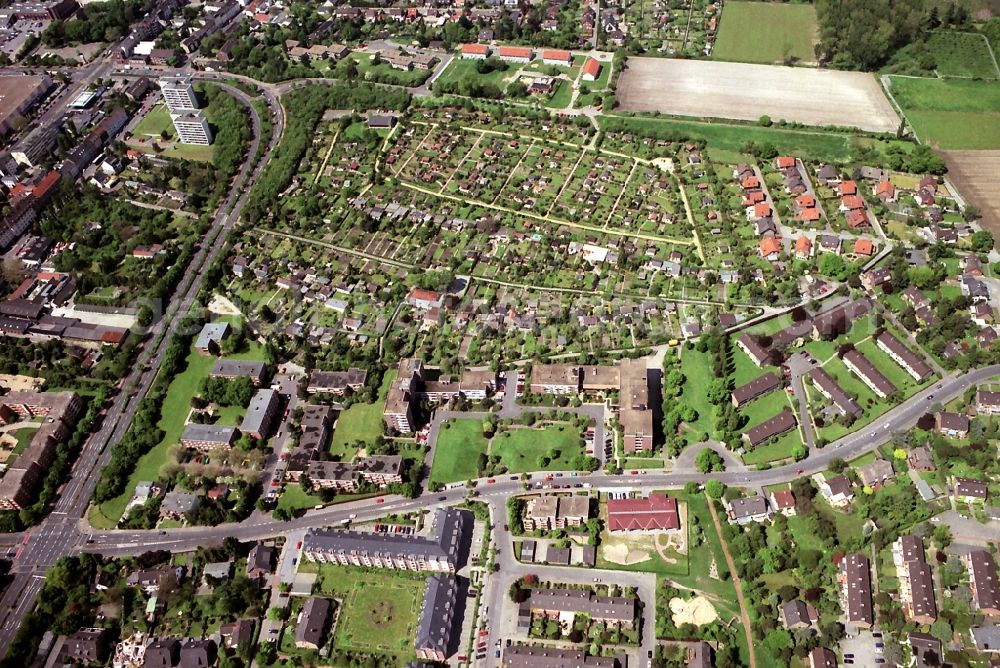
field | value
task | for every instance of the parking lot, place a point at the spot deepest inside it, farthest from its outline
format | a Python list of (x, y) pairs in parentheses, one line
[(863, 649)]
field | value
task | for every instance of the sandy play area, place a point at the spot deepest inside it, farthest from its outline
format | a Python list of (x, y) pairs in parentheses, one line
[(697, 611), (620, 553)]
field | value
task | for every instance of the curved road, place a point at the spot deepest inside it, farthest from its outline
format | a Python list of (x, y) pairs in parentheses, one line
[(58, 534)]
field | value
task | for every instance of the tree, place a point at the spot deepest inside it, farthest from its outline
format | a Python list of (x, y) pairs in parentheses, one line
[(982, 241), (709, 460), (714, 489)]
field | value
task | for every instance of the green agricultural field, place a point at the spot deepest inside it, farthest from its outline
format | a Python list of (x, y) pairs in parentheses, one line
[(812, 144), (952, 113), (766, 32), (456, 454), (522, 449), (360, 422)]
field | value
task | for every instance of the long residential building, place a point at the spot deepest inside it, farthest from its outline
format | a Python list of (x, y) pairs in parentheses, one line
[(437, 618), (768, 429), (829, 388), (523, 656), (757, 387), (916, 582), (23, 472), (439, 553), (856, 590), (336, 382), (983, 579), (868, 373), (565, 604), (903, 356)]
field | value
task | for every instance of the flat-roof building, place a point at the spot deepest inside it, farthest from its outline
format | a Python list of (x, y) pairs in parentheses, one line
[(260, 414), (18, 94)]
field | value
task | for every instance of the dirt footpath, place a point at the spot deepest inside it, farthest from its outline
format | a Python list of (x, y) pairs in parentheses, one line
[(747, 92)]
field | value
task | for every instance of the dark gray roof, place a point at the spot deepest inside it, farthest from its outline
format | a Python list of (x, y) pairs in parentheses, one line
[(864, 367), (437, 613), (829, 387), (748, 507), (208, 432), (259, 412), (585, 601), (779, 424), (858, 577), (450, 526), (545, 657), (234, 368), (756, 387), (312, 621)]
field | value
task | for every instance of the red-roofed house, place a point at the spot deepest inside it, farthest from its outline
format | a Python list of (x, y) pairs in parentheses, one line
[(424, 298), (770, 249), (761, 210), (864, 247), (803, 246), (656, 512), (753, 197), (805, 201), (591, 70), (783, 501), (515, 54), (808, 215), (113, 338), (557, 57), (785, 161), (475, 51), (857, 218), (848, 188), (885, 191), (47, 187), (851, 203)]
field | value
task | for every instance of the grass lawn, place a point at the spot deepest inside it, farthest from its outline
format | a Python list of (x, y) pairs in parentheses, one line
[(360, 422), (379, 611), (23, 436), (765, 407), (707, 545), (951, 113), (520, 449), (696, 365), (456, 455), (804, 533), (155, 122), (780, 449), (766, 32), (561, 97), (294, 498), (176, 406), (459, 69)]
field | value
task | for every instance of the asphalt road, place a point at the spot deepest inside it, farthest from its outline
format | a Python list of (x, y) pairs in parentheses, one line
[(59, 534)]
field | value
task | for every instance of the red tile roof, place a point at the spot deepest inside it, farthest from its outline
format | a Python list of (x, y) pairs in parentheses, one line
[(848, 188), (783, 498), (515, 51), (885, 188), (852, 202), (476, 49), (864, 247), (557, 54), (762, 210), (769, 246), (806, 200), (592, 67), (657, 511), (785, 161), (803, 244), (809, 215), (857, 218)]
